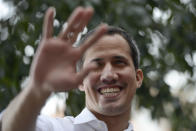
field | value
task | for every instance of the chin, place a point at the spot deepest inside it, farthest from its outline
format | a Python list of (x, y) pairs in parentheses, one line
[(113, 111)]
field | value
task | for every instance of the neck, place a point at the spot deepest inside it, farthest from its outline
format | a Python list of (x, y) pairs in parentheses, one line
[(115, 123)]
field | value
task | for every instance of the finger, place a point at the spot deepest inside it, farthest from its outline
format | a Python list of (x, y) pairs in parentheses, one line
[(74, 18), (84, 72), (100, 31), (48, 23), (79, 26)]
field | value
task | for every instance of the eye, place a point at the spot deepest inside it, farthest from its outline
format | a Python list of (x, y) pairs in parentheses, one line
[(99, 63), (120, 62)]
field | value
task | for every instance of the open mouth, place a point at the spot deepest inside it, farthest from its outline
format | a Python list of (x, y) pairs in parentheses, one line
[(109, 91)]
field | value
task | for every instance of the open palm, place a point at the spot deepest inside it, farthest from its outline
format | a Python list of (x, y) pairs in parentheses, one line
[(54, 65)]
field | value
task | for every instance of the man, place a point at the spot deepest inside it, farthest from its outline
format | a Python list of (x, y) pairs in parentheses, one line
[(108, 73)]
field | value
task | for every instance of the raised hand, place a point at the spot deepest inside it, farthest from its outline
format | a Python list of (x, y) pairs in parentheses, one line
[(54, 65)]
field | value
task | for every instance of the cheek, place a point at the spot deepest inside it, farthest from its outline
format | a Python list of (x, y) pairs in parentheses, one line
[(128, 74)]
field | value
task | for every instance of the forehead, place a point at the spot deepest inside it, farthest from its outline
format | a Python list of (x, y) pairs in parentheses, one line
[(109, 44)]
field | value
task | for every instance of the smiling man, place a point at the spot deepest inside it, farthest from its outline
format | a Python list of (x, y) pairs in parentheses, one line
[(108, 73), (111, 86)]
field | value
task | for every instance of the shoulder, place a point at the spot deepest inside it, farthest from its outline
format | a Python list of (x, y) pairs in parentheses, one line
[(50, 123)]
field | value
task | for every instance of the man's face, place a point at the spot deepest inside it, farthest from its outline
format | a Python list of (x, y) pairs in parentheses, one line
[(111, 86)]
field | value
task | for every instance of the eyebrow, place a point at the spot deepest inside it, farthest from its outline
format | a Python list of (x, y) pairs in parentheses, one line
[(119, 57), (114, 57)]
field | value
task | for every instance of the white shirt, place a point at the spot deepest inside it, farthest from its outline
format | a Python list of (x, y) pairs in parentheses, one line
[(85, 121)]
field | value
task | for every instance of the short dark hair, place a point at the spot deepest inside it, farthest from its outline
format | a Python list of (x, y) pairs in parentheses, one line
[(134, 51)]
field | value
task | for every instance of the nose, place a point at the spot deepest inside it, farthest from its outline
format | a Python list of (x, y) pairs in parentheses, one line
[(109, 75)]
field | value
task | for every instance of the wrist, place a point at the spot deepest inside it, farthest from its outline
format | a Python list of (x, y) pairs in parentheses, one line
[(39, 91)]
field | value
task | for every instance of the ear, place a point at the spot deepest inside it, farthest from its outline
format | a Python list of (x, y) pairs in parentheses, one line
[(81, 87), (139, 77)]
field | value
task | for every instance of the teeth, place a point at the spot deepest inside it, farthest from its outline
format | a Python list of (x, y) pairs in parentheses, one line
[(109, 90)]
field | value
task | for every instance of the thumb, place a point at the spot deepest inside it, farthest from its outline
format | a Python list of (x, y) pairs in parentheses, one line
[(84, 72)]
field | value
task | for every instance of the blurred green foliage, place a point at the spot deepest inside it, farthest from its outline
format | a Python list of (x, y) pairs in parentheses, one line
[(172, 32)]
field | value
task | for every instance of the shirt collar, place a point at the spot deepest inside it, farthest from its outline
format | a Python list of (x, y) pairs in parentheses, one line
[(87, 116), (84, 117)]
